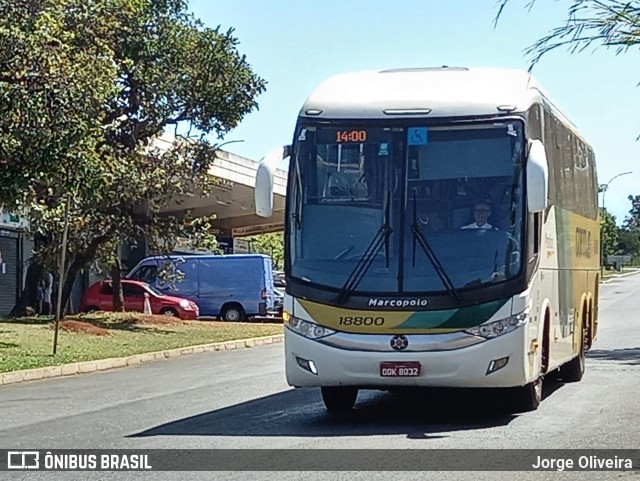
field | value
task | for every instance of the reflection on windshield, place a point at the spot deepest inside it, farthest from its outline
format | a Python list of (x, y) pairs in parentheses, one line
[(154, 290), (461, 188)]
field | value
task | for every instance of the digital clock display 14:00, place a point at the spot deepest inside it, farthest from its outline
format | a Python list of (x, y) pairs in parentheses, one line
[(351, 136)]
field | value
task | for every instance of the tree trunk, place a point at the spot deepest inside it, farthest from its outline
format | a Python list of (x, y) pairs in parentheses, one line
[(69, 281), (80, 261), (116, 275)]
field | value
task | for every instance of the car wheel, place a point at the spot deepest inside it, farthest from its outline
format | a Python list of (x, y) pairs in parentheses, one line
[(91, 309), (168, 311), (232, 313)]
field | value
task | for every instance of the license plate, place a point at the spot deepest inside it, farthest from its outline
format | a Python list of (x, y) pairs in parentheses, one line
[(400, 369)]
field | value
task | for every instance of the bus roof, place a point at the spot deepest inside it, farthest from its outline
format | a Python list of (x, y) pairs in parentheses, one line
[(441, 91)]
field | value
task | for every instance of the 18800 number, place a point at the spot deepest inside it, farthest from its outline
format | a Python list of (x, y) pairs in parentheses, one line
[(361, 321)]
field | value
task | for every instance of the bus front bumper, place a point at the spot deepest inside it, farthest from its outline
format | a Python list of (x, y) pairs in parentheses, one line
[(464, 367)]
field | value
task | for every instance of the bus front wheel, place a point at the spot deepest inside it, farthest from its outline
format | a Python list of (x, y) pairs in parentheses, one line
[(529, 396), (339, 399)]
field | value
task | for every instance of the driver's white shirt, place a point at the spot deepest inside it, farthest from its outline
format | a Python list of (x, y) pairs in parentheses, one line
[(474, 225)]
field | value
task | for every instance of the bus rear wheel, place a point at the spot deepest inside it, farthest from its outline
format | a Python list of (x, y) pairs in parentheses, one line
[(574, 369), (339, 399)]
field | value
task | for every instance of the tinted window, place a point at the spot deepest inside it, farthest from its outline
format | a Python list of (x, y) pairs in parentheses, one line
[(146, 274), (182, 276), (221, 274), (131, 290)]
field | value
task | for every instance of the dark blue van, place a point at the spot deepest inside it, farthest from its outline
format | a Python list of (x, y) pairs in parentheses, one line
[(232, 287)]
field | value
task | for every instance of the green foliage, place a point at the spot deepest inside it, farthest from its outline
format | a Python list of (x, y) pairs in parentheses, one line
[(608, 23), (630, 233), (270, 244), (630, 244), (632, 220), (87, 89), (610, 233)]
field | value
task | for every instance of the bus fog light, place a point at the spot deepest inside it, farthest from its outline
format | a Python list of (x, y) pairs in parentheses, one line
[(497, 364), (307, 365)]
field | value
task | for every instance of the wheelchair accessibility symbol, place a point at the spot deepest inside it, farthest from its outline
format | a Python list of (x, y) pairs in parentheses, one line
[(417, 136)]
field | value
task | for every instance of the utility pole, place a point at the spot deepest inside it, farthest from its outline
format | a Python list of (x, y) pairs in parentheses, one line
[(61, 271)]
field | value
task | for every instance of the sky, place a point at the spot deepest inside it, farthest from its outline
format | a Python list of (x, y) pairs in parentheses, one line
[(296, 44)]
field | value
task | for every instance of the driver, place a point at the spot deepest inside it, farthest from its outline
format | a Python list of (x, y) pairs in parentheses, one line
[(481, 213)]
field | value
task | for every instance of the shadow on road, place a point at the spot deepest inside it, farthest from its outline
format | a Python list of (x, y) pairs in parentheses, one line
[(417, 414), (624, 356)]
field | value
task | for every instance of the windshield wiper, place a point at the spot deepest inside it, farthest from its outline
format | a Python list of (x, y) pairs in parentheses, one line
[(419, 238), (517, 148), (380, 239), (297, 214)]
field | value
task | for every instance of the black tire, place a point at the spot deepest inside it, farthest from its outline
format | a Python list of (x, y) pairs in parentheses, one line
[(574, 369), (232, 313), (339, 399), (90, 309), (529, 396), (169, 311)]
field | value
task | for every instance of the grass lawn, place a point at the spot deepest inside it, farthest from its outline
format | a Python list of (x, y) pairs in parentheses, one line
[(27, 343)]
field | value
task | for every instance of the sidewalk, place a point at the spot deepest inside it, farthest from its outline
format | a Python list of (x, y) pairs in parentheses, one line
[(14, 377)]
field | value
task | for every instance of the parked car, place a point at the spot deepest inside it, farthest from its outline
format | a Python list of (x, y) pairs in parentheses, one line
[(99, 297), (233, 287)]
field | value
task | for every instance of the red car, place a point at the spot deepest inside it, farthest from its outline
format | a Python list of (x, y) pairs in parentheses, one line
[(99, 297)]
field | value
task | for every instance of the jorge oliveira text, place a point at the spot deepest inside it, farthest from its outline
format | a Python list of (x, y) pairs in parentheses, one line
[(588, 463)]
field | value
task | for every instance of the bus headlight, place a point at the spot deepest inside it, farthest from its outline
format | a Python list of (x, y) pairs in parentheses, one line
[(499, 327), (310, 330)]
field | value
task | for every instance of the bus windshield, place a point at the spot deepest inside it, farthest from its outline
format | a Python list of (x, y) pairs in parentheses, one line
[(448, 198)]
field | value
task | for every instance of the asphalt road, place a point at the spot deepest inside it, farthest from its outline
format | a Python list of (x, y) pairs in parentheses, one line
[(239, 399)]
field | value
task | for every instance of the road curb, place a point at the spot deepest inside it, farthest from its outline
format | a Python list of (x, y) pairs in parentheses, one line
[(14, 377), (617, 276)]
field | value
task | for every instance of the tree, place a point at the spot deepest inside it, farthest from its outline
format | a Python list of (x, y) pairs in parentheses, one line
[(610, 234), (632, 220), (270, 244), (630, 243), (630, 233), (94, 84), (608, 23)]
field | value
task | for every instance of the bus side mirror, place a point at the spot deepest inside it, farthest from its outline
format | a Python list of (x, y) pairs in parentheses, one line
[(537, 178), (263, 194)]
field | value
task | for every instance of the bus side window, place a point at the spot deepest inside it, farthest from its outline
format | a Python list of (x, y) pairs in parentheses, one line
[(535, 236), (536, 233)]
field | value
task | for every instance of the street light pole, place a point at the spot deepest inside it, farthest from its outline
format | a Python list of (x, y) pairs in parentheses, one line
[(604, 191)]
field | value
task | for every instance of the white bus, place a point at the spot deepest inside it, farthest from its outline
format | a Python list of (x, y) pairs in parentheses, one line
[(441, 230)]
